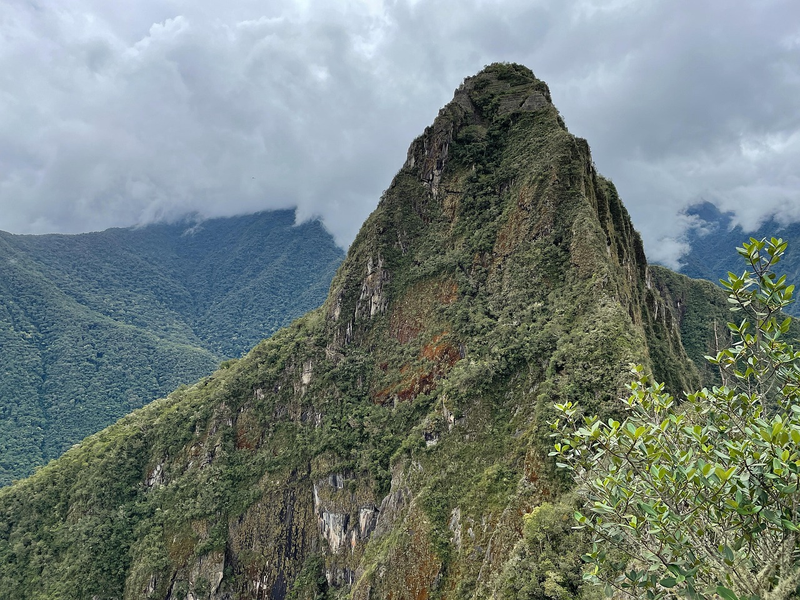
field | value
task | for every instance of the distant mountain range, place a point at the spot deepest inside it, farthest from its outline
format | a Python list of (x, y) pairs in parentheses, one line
[(95, 325), (714, 243)]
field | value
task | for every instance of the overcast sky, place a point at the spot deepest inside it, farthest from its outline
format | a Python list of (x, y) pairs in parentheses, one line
[(124, 112)]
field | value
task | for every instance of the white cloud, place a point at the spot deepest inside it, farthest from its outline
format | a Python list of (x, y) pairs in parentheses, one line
[(121, 113)]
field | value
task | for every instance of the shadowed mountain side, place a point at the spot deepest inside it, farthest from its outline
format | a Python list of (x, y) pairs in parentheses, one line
[(93, 326), (223, 284), (714, 242), (393, 443)]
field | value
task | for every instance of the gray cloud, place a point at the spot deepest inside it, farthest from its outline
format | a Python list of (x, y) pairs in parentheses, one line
[(123, 113)]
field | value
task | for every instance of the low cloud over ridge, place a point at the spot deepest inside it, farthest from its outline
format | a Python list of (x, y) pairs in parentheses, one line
[(123, 113)]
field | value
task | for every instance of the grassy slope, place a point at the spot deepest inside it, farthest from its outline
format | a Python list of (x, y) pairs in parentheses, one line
[(391, 443)]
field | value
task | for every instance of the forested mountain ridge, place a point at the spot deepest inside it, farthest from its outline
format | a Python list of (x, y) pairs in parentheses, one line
[(712, 246), (95, 325), (392, 443)]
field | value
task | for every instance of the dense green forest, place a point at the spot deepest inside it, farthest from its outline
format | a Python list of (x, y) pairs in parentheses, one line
[(394, 442), (95, 325)]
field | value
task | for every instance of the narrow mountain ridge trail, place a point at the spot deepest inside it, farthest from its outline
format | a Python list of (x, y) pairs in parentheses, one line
[(392, 443)]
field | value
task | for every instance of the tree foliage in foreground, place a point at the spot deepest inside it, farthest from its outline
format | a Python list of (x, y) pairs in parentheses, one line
[(699, 499)]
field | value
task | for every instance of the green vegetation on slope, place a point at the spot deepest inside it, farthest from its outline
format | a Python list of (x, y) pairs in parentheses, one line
[(391, 443), (93, 326), (698, 499)]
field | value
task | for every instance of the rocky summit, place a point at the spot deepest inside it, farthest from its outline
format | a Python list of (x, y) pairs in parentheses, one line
[(394, 442)]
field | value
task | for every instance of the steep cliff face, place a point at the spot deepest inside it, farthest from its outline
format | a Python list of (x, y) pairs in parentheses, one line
[(393, 443)]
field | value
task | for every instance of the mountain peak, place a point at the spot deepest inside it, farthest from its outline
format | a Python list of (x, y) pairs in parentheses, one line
[(492, 97), (514, 86)]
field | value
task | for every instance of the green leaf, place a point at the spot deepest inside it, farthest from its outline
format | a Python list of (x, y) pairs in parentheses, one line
[(725, 593), (771, 516), (675, 569), (691, 593), (646, 508), (789, 525), (668, 582), (728, 554)]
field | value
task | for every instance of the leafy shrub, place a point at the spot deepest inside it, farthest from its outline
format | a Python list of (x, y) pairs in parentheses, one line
[(700, 499)]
